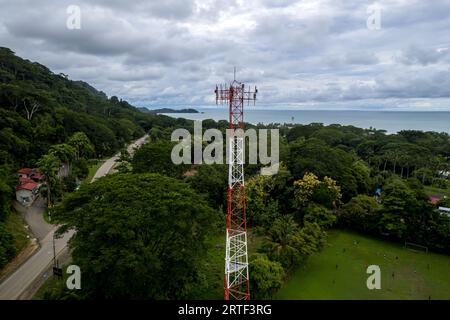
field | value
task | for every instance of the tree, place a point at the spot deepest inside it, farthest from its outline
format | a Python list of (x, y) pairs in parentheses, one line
[(156, 158), (64, 152), (138, 236), (315, 156), (7, 183), (319, 214), (362, 176), (279, 243), (266, 276), (210, 180), (396, 199), (310, 239), (7, 248), (124, 162), (445, 202), (155, 134), (326, 193), (290, 245), (7, 245), (361, 213), (49, 165), (304, 189), (82, 144), (261, 207), (425, 175)]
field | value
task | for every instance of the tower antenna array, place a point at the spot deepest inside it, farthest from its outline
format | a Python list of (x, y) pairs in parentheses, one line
[(236, 281)]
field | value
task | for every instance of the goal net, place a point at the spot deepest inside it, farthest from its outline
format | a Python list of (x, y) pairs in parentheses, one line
[(415, 247)]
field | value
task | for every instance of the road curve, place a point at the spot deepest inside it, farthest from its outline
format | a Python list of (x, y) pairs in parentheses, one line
[(109, 164), (13, 286), (33, 216)]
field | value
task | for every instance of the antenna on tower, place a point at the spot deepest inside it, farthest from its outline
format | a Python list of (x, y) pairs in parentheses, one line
[(234, 78)]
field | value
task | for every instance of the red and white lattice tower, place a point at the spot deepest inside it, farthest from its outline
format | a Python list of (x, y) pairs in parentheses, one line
[(236, 281)]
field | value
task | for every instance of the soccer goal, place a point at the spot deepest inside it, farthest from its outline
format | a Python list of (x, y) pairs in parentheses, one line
[(415, 247)]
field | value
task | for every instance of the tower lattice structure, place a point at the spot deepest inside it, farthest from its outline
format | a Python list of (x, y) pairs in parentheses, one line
[(236, 280)]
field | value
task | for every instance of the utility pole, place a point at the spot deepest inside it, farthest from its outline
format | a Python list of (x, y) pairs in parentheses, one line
[(236, 280), (57, 271)]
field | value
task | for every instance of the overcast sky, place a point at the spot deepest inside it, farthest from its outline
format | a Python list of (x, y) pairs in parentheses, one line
[(300, 54)]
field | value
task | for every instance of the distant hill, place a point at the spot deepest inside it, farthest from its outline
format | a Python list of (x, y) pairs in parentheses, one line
[(167, 110)]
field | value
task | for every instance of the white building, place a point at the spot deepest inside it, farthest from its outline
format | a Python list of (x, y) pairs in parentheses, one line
[(444, 174), (444, 210)]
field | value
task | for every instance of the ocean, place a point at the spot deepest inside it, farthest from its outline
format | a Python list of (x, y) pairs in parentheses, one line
[(391, 121)]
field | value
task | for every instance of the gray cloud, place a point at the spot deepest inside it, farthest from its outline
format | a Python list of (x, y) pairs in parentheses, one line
[(297, 52), (424, 56)]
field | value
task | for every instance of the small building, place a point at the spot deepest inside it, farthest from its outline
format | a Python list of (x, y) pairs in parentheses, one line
[(29, 183), (23, 180), (444, 174), (37, 177), (26, 193)]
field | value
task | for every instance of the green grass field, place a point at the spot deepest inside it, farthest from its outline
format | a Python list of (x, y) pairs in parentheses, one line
[(416, 275)]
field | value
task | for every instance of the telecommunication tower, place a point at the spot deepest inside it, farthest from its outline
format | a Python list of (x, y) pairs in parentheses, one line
[(236, 281)]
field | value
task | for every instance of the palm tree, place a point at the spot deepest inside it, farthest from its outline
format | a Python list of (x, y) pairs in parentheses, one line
[(49, 165), (280, 240)]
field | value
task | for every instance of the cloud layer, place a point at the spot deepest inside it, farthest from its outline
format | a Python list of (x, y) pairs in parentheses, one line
[(300, 53)]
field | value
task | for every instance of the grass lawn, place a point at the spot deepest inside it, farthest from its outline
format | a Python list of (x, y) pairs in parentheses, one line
[(416, 275)]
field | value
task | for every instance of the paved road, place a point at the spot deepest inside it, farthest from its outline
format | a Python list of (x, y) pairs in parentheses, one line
[(109, 164), (16, 284)]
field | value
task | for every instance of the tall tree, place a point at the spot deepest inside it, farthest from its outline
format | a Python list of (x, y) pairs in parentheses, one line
[(49, 164), (266, 276), (82, 144), (138, 236)]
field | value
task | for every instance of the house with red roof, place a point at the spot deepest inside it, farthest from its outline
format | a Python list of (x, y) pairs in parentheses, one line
[(29, 183), (27, 192), (24, 172), (25, 180), (37, 177)]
